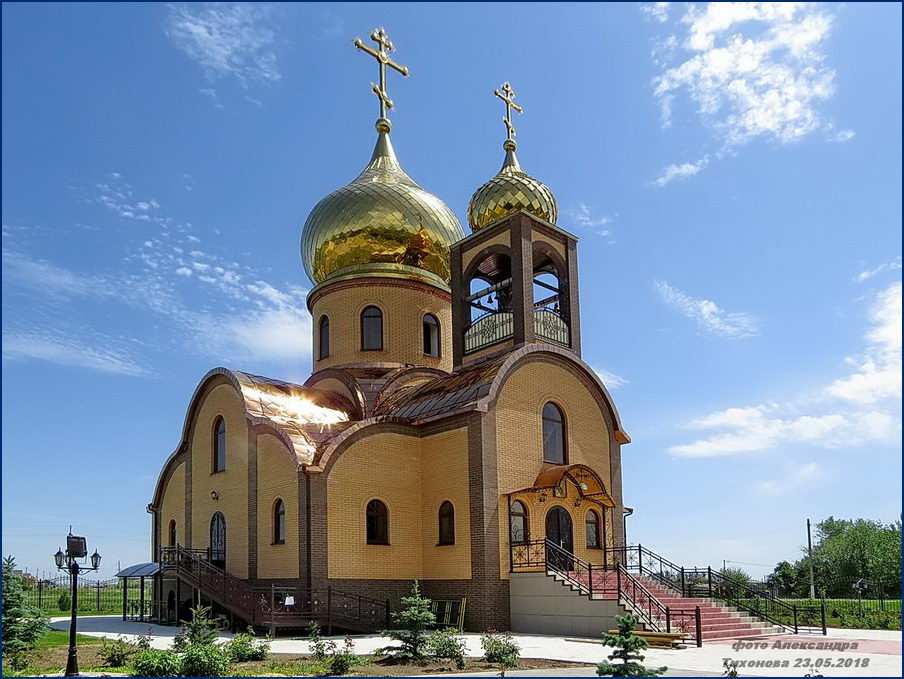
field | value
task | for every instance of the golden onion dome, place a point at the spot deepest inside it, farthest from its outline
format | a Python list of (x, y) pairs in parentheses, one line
[(512, 189), (382, 224)]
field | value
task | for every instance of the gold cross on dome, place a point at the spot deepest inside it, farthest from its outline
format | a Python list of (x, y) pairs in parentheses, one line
[(381, 54), (508, 96)]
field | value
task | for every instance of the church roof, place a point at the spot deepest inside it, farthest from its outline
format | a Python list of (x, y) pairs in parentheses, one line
[(443, 395), (304, 417)]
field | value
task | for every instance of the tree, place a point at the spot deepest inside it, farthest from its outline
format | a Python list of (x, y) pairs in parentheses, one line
[(783, 578), (23, 624), (628, 646), (414, 619)]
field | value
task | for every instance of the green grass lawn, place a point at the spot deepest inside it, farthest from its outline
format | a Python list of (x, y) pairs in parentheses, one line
[(55, 637)]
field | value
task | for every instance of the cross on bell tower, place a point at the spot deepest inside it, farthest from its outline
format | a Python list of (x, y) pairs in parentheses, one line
[(508, 96)]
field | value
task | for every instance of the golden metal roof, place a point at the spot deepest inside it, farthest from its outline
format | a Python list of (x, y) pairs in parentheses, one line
[(381, 224), (512, 189)]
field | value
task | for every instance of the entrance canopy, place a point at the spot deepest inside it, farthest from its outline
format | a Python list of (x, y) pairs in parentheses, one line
[(587, 481), (140, 570)]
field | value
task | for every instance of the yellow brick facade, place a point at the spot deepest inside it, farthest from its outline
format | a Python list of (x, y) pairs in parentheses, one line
[(403, 312), (277, 478), (172, 508), (519, 439), (412, 477), (230, 485)]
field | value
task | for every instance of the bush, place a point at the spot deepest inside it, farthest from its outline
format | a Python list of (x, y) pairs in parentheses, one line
[(153, 663), (205, 660), (244, 647), (413, 619), (201, 630), (342, 660), (500, 649), (64, 603), (320, 648), (447, 644), (117, 653)]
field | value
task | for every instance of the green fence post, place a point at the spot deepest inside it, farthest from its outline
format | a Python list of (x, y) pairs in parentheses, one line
[(97, 598), (40, 595)]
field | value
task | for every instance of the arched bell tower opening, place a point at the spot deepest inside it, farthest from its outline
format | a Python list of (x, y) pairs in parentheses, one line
[(514, 282)]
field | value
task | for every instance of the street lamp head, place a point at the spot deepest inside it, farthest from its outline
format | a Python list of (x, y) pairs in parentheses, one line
[(58, 558), (95, 560)]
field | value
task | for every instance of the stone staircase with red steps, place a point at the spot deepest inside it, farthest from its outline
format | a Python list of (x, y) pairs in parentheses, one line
[(717, 621)]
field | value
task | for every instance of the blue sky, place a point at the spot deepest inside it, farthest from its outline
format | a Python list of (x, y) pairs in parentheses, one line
[(733, 172)]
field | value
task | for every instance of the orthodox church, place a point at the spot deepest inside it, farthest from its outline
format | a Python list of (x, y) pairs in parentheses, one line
[(448, 419)]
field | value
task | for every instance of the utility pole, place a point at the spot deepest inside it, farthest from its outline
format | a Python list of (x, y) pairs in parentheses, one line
[(810, 553)]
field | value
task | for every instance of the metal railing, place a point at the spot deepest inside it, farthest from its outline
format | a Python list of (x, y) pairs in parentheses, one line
[(489, 329), (550, 324), (609, 580), (277, 605), (705, 582)]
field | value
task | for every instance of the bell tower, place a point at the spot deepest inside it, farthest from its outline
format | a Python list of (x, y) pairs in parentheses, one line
[(514, 279)]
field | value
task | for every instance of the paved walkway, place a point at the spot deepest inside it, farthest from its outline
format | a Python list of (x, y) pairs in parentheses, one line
[(852, 653)]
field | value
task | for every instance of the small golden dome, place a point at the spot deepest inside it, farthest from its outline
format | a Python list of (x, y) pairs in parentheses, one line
[(382, 224), (512, 189)]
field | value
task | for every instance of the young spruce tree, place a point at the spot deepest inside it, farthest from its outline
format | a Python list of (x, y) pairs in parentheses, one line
[(627, 645)]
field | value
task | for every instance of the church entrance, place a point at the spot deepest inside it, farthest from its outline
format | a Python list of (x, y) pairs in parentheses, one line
[(218, 541), (559, 532)]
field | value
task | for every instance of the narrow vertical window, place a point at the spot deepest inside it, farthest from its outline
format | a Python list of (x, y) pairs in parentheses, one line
[(446, 523), (518, 523), (219, 445), (324, 345), (553, 434), (377, 523), (431, 335), (592, 523), (371, 329), (172, 533), (279, 522)]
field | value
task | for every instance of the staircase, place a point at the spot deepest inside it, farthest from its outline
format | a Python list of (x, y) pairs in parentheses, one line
[(700, 603), (274, 606)]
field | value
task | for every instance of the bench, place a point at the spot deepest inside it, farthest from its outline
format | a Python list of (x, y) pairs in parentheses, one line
[(660, 639), (449, 612)]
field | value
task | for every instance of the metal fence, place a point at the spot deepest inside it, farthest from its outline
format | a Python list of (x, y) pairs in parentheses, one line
[(53, 595)]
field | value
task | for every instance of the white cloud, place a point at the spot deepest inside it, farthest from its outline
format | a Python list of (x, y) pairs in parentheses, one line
[(681, 171), (894, 265), (610, 379), (878, 374), (751, 69), (272, 335), (227, 39), (707, 314), (794, 478), (656, 11), (843, 135), (63, 350), (584, 219), (859, 409)]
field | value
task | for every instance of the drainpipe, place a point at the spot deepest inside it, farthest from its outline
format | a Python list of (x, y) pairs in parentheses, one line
[(628, 511)]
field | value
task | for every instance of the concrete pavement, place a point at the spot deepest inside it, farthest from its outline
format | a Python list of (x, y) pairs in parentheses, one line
[(850, 653)]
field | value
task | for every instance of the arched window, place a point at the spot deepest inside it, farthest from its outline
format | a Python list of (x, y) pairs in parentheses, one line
[(371, 329), (592, 523), (172, 533), (431, 335), (218, 540), (553, 434), (219, 445), (279, 522), (518, 522), (324, 348), (446, 523), (377, 523)]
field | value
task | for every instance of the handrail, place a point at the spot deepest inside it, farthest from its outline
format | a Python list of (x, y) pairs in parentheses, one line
[(595, 581), (265, 605), (695, 582)]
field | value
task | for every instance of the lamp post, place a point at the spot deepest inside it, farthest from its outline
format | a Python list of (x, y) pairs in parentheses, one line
[(76, 548)]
